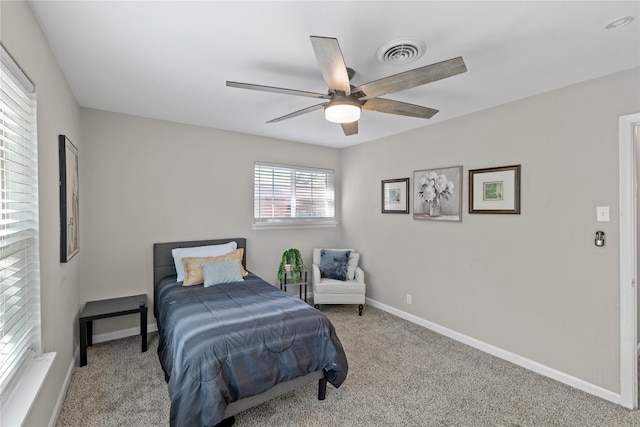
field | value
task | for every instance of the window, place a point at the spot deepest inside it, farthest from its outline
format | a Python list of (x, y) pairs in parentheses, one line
[(19, 257), (292, 196)]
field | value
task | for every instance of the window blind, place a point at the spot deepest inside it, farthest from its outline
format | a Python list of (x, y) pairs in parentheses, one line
[(292, 194), (19, 253)]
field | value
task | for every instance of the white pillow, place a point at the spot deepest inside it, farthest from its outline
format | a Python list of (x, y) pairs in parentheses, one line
[(199, 251), (352, 265)]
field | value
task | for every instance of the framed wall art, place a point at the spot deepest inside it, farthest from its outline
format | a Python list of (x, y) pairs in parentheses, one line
[(69, 199), (437, 194), (495, 190), (395, 196)]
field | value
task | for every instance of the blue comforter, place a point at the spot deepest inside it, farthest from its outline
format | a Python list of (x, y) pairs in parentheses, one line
[(227, 342)]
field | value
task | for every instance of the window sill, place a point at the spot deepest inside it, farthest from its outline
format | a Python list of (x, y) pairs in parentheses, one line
[(282, 225), (16, 405)]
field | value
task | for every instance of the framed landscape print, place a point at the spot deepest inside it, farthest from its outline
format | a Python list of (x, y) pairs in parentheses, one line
[(69, 199), (395, 195), (495, 190), (437, 194)]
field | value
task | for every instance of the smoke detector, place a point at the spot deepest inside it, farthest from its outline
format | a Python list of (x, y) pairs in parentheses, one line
[(401, 51)]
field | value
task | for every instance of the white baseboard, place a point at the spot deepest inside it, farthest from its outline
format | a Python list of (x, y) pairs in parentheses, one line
[(63, 390), (123, 333), (503, 354)]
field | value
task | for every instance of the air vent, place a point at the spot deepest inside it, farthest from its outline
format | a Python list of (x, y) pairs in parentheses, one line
[(401, 51)]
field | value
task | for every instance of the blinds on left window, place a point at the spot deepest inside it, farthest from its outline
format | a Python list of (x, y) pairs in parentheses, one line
[(19, 252)]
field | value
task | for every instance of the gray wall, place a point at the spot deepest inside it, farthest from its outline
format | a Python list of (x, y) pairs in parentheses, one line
[(533, 284), (148, 181), (57, 113)]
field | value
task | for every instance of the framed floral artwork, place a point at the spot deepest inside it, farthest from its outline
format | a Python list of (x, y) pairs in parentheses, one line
[(495, 190), (437, 194), (395, 196)]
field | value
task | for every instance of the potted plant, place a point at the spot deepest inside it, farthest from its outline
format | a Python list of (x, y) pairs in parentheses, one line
[(291, 264)]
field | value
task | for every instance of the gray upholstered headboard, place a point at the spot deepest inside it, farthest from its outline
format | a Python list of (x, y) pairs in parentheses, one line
[(163, 265)]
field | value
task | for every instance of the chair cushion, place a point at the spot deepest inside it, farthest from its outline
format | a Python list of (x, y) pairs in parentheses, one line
[(332, 286), (333, 264)]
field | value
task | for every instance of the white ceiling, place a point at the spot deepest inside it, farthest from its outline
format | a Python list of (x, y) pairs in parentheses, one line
[(170, 60)]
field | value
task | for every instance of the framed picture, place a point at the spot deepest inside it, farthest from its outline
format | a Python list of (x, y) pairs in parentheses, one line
[(495, 190), (395, 195), (437, 194), (69, 199)]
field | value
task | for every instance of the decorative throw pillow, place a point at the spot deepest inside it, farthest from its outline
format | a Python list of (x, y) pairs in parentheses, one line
[(193, 266), (218, 272), (333, 264), (199, 251)]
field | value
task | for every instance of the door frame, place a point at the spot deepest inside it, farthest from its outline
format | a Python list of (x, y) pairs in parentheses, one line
[(628, 262)]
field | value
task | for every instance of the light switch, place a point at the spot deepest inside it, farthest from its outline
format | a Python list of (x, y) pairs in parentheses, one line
[(602, 213)]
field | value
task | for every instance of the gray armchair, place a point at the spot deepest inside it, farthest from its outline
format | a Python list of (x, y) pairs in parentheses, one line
[(332, 291)]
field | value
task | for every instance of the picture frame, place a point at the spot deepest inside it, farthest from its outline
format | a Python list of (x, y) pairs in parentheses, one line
[(395, 196), (495, 190), (437, 194), (69, 199)]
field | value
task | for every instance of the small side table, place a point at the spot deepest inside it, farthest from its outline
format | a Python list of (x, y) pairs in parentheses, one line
[(102, 309), (284, 284)]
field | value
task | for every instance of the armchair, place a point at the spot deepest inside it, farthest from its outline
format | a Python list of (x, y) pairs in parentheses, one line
[(333, 291)]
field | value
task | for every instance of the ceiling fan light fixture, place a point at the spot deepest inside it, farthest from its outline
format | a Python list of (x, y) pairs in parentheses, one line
[(342, 110)]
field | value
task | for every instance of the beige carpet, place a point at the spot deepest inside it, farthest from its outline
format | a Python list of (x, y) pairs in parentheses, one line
[(400, 374)]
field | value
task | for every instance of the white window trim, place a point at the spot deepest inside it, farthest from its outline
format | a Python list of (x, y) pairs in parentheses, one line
[(293, 224), (22, 394)]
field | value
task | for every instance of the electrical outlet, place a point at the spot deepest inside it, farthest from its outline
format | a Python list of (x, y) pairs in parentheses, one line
[(408, 299)]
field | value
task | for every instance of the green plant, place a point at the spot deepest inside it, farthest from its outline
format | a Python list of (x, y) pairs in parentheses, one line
[(293, 258)]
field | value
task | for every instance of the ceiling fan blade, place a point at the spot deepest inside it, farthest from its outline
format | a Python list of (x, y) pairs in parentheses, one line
[(331, 63), (298, 113), (278, 90), (412, 78), (401, 108), (350, 128)]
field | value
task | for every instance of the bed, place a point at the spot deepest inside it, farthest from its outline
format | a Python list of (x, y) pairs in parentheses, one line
[(229, 347)]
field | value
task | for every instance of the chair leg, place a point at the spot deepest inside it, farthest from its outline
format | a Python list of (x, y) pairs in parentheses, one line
[(360, 307)]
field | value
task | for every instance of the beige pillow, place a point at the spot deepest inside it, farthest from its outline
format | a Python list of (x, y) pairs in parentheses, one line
[(193, 266)]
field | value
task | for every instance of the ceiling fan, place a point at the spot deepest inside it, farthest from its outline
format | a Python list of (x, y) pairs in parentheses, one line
[(345, 101)]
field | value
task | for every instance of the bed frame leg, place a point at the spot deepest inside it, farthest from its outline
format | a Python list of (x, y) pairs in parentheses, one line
[(322, 389), (227, 422)]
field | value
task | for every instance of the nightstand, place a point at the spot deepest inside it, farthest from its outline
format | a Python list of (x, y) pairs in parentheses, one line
[(103, 309)]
